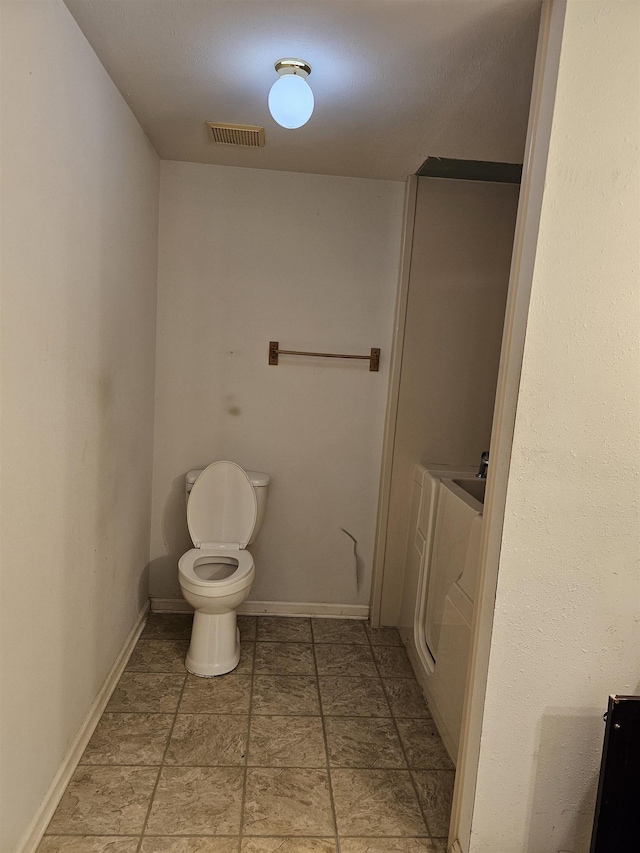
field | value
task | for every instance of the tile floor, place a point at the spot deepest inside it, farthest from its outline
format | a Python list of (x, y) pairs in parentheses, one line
[(319, 742)]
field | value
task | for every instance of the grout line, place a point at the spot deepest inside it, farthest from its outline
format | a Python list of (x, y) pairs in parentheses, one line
[(377, 838), (246, 750), (326, 748), (254, 642), (404, 752), (285, 766), (234, 836), (272, 766), (164, 755)]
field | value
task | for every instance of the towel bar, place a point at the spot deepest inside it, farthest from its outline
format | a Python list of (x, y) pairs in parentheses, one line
[(275, 351)]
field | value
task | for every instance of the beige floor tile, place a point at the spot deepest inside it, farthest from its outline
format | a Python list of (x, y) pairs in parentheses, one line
[(225, 694), (168, 626), (87, 844), (247, 654), (104, 801), (349, 660), (423, 745), (363, 742), (288, 845), (353, 697), (405, 698), (393, 662), (128, 739), (197, 805), (435, 791), (339, 631), (284, 659), (376, 803), (247, 626), (189, 845), (285, 694), (287, 742), (208, 739), (283, 629), (383, 636), (392, 845), (287, 801), (158, 656), (147, 691), (197, 801)]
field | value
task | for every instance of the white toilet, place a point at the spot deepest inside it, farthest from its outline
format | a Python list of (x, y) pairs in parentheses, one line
[(225, 509)]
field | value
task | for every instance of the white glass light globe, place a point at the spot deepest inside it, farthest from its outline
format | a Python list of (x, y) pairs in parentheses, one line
[(291, 101)]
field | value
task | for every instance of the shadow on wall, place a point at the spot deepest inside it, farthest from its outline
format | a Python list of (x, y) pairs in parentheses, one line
[(175, 536), (568, 752)]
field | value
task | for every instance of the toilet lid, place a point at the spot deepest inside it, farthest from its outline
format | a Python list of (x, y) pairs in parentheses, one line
[(222, 507)]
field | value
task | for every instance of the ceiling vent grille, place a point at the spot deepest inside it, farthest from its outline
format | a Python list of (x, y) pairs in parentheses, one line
[(236, 134)]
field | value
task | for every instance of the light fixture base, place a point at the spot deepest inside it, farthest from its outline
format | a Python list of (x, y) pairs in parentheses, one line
[(293, 66)]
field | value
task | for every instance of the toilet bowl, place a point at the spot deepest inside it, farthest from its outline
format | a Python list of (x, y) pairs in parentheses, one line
[(216, 575)]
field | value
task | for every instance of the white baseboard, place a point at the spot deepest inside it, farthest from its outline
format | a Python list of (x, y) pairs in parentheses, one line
[(300, 608), (36, 829), (455, 847), (273, 608)]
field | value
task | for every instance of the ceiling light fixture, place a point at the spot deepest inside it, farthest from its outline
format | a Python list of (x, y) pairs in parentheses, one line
[(291, 99)]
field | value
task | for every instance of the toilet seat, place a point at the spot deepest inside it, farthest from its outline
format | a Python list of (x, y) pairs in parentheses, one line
[(221, 516), (237, 579)]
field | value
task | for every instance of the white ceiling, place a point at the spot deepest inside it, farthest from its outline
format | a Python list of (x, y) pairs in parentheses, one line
[(395, 81)]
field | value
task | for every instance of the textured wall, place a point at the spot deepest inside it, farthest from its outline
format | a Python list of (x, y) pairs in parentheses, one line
[(79, 267), (249, 256), (565, 632)]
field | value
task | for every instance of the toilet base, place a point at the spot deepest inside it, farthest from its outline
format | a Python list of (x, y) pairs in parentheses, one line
[(215, 644)]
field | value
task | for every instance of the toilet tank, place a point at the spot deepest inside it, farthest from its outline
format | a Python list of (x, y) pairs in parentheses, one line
[(258, 480)]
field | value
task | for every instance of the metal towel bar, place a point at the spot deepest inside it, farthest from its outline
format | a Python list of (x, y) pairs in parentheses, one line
[(275, 351)]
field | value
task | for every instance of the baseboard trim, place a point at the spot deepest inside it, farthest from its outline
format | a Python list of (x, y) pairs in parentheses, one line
[(273, 608), (455, 847), (300, 608), (36, 829)]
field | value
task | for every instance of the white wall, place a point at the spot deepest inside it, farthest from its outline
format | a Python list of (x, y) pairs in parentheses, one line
[(462, 244), (79, 262), (565, 632), (250, 256)]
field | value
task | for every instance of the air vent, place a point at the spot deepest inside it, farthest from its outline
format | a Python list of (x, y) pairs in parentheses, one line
[(236, 134)]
